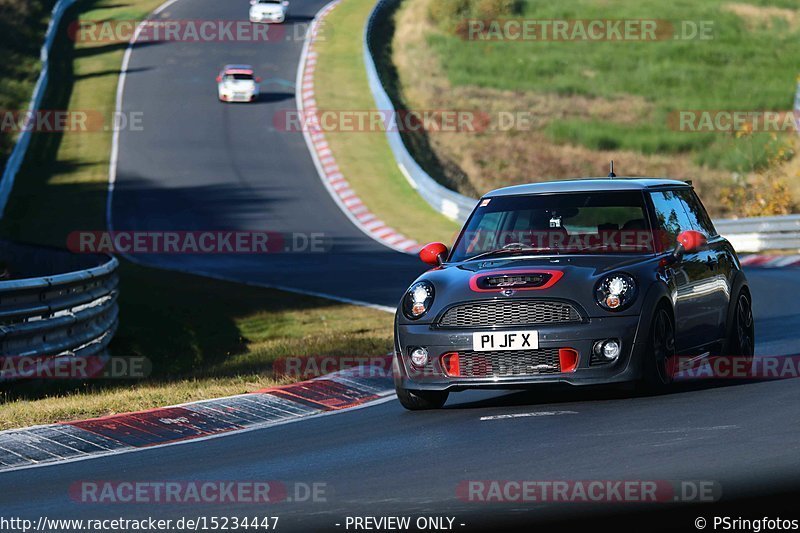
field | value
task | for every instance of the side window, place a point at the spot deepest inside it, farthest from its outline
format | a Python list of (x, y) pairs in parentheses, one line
[(697, 213), (671, 217)]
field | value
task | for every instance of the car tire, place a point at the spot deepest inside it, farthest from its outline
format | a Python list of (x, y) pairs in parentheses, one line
[(419, 400), (659, 356), (740, 341)]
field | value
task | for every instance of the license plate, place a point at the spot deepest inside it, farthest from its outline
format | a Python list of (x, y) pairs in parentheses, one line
[(506, 340)]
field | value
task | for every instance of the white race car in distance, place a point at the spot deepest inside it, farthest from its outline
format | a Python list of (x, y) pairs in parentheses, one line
[(237, 83), (268, 10)]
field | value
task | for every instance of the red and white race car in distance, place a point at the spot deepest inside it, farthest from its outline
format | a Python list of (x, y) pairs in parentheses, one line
[(237, 83), (267, 11)]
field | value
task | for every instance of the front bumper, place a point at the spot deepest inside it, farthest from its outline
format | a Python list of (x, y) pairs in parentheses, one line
[(580, 337), (237, 97)]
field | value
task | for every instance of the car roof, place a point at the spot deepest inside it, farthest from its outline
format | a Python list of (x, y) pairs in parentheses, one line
[(588, 185)]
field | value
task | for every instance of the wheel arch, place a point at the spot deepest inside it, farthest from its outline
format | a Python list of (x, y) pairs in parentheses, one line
[(657, 295)]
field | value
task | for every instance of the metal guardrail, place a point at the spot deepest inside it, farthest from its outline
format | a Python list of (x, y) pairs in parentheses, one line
[(17, 155), (762, 233), (71, 312), (450, 203)]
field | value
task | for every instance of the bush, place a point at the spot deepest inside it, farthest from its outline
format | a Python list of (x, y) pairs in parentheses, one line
[(450, 14), (493, 9), (768, 192), (448, 11), (759, 196)]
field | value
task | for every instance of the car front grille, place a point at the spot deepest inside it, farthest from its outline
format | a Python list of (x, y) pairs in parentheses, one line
[(509, 313), (509, 363)]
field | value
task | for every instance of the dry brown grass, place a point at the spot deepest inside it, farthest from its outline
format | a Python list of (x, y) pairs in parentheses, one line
[(756, 17)]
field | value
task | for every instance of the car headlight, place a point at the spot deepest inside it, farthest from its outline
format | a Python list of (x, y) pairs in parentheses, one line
[(615, 292), (418, 299)]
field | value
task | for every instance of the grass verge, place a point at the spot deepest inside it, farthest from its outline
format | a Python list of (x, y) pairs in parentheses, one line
[(204, 338), (365, 157)]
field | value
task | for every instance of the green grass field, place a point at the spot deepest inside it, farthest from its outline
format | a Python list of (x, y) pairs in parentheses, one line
[(204, 338), (749, 63)]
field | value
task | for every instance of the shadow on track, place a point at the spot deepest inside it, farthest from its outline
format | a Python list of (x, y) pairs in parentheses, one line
[(271, 97), (548, 395)]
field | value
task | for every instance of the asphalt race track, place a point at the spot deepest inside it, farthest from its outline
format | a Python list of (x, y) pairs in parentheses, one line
[(200, 165), (381, 459)]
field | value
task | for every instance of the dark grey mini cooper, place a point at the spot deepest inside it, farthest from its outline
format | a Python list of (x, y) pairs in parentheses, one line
[(581, 282)]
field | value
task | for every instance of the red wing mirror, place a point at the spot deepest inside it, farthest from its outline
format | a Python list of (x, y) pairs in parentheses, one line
[(433, 253), (219, 79), (692, 240), (258, 79)]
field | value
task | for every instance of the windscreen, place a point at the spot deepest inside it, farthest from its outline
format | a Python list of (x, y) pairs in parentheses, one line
[(238, 77), (598, 222)]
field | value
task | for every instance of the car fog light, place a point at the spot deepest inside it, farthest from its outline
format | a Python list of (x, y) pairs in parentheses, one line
[(419, 357), (611, 350), (608, 350)]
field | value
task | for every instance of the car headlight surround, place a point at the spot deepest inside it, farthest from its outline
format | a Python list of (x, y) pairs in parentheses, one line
[(418, 300), (616, 292)]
